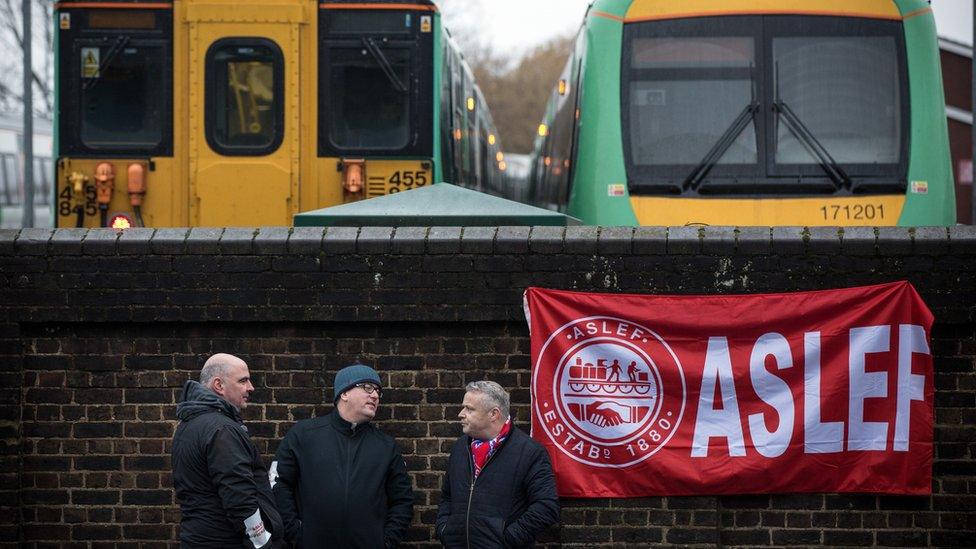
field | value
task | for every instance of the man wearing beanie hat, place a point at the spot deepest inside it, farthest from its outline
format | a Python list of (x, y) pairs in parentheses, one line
[(338, 480)]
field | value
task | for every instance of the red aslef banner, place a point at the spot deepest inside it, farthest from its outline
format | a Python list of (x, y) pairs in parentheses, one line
[(824, 391)]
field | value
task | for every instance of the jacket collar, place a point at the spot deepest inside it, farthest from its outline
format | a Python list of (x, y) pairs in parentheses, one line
[(346, 427), (198, 400)]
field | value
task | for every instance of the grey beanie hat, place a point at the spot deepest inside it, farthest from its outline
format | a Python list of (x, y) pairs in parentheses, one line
[(351, 375)]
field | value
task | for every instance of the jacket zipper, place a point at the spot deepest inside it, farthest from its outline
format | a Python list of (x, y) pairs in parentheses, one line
[(467, 514), (348, 474)]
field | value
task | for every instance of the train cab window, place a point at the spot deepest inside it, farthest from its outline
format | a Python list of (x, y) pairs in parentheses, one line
[(695, 88), (115, 76), (370, 106), (121, 100), (244, 96), (376, 82), (845, 90), (771, 104)]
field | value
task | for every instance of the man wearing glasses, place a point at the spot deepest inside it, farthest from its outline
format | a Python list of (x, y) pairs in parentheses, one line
[(338, 480)]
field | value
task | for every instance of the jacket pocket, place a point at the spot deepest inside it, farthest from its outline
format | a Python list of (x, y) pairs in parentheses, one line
[(452, 534), (487, 532)]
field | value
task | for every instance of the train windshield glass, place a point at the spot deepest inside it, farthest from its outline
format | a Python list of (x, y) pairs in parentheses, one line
[(756, 104), (692, 89), (845, 90), (121, 97), (370, 97)]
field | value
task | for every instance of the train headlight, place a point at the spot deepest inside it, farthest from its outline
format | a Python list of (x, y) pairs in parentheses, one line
[(491, 139), (543, 130), (499, 156), (471, 103)]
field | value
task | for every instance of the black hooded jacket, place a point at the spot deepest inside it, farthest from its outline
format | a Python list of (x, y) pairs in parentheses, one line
[(218, 474), (507, 506), (342, 487)]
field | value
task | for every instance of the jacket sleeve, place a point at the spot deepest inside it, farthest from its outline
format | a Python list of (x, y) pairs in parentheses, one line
[(543, 503), (285, 485), (399, 500), (229, 464), (444, 507)]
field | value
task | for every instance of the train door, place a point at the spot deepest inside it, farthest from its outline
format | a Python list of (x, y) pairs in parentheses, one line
[(243, 148)]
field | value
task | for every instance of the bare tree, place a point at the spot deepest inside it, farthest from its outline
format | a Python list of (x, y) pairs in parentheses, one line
[(42, 73), (462, 18), (515, 87)]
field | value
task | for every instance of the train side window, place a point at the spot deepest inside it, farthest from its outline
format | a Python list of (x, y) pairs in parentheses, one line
[(8, 184), (447, 129), (42, 181), (11, 167), (244, 96)]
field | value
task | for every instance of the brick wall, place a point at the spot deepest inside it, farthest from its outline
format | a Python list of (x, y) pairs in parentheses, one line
[(99, 331)]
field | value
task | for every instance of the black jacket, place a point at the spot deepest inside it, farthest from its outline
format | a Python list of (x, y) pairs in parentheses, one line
[(218, 474), (342, 487), (511, 502)]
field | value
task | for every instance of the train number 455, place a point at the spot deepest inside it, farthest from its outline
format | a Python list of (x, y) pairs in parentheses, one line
[(406, 180)]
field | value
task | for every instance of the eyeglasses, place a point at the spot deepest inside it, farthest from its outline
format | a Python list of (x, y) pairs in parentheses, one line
[(370, 389)]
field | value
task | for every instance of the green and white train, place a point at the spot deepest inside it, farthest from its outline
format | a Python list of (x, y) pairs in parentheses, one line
[(749, 112)]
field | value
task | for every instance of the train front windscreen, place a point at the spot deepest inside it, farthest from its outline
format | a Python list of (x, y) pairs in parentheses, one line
[(782, 105), (375, 84)]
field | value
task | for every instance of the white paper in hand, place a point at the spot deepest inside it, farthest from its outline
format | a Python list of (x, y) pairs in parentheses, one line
[(255, 530)]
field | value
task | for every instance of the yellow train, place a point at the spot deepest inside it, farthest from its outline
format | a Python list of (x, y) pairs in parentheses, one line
[(230, 113)]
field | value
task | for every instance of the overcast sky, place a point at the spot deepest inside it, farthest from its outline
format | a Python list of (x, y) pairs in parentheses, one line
[(512, 26)]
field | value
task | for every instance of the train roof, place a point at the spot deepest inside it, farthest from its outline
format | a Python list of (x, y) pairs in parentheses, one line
[(649, 10), (169, 3)]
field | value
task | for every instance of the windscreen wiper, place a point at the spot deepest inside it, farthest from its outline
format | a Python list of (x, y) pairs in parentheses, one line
[(117, 46), (720, 147), (384, 64), (809, 141), (812, 144)]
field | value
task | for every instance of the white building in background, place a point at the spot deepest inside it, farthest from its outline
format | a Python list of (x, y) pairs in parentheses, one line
[(11, 172)]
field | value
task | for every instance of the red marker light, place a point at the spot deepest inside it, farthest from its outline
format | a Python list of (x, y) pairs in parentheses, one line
[(120, 221)]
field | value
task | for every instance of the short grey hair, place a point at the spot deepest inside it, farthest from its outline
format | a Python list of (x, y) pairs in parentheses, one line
[(219, 365), (495, 395)]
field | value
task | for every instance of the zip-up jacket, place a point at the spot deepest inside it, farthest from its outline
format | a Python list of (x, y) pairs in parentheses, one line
[(342, 486), (508, 505), (218, 474)]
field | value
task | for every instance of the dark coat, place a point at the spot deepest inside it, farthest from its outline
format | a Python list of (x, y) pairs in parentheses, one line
[(510, 503), (218, 474), (342, 487)]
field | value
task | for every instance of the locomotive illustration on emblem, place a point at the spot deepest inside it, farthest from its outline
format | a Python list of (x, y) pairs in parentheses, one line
[(609, 392), (608, 389)]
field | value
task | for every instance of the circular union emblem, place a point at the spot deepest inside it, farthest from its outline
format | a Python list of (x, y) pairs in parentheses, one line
[(608, 392)]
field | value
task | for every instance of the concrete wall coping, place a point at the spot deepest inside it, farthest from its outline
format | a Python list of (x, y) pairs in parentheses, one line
[(882, 241)]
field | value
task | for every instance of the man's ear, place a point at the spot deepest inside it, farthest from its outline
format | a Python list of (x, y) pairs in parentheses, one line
[(217, 386)]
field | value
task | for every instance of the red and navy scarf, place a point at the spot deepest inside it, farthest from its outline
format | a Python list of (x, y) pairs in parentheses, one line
[(482, 450)]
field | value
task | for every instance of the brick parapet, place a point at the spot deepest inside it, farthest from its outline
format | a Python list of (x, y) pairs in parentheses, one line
[(99, 331)]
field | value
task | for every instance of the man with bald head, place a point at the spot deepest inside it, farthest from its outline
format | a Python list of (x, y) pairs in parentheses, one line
[(221, 483)]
